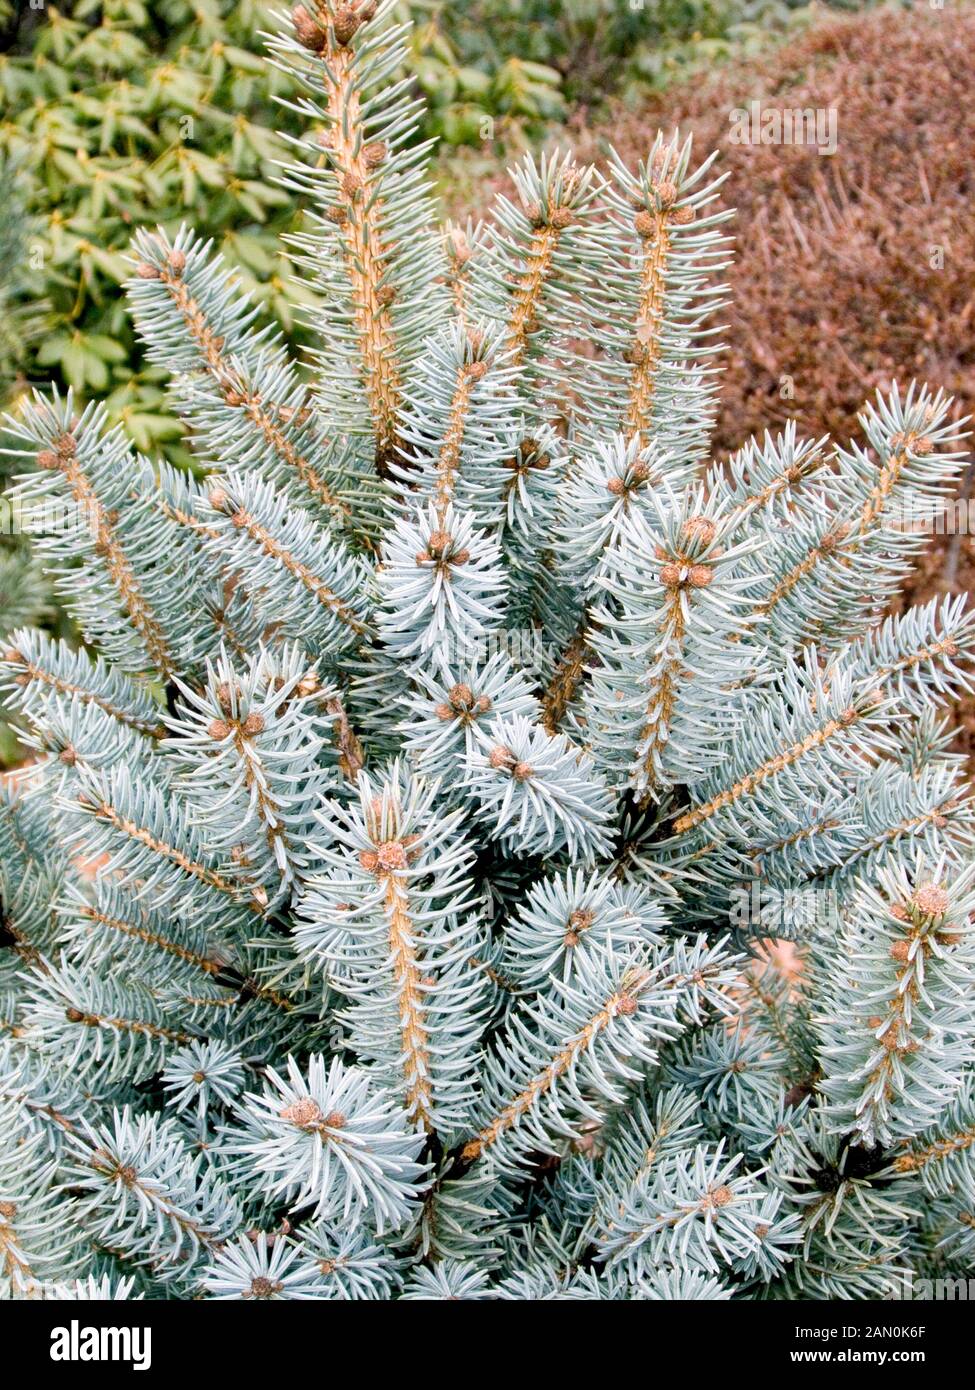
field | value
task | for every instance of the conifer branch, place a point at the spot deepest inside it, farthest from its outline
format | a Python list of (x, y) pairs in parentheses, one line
[(168, 268)]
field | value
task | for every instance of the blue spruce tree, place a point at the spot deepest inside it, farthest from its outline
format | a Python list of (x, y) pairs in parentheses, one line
[(387, 898)]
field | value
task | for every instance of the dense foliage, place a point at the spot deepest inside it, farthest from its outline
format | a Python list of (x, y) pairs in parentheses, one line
[(388, 910)]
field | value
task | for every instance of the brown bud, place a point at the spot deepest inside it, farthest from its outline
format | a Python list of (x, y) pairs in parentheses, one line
[(439, 542), (666, 192), (645, 224), (345, 24), (374, 154), (628, 1004), (307, 32), (522, 771), (461, 696), (47, 459), (475, 370), (670, 576), (219, 500), (66, 446), (368, 860), (616, 486), (218, 730), (931, 901), (900, 950), (501, 756), (535, 215), (145, 271), (338, 214), (68, 756), (351, 185), (683, 215), (335, 1120), (385, 295), (561, 218), (391, 855), (253, 724), (177, 261), (832, 540), (700, 528), (922, 446), (305, 1113), (700, 576)]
